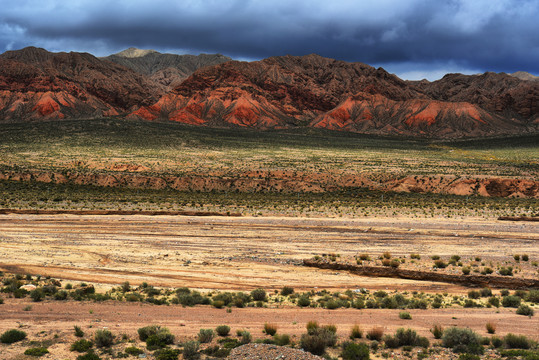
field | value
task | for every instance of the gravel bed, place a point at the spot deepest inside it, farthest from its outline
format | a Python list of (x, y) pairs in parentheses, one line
[(269, 352)]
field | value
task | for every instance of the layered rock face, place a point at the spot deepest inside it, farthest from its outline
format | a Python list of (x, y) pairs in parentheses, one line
[(288, 91), (36, 84), (278, 92)]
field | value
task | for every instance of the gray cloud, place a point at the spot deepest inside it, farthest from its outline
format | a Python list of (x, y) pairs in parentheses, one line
[(403, 36)]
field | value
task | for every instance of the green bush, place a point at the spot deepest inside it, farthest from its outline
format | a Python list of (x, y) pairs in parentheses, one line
[(216, 352), (147, 331), (12, 336), (353, 351), (205, 335), (468, 357), (133, 351), (258, 295), (533, 296), (37, 295), (103, 338), (405, 315), (474, 294), (405, 337), (496, 341), (461, 340), (466, 270), (89, 356), (356, 332), (167, 354), (303, 301), (494, 301), (281, 340), (39, 351), (513, 341), (78, 331), (317, 339), (437, 331), (506, 271), (511, 301), (222, 330), (190, 350), (287, 290), (246, 337), (525, 310), (81, 345)]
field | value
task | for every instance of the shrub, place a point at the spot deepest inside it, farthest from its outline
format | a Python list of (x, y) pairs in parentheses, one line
[(218, 304), (511, 301), (133, 351), (364, 257), (160, 339), (525, 310), (506, 271), (246, 337), (81, 345), (375, 333), (415, 256), (440, 264), (78, 331), (287, 290), (356, 332), (1, 301), (395, 263), (405, 315), (533, 296), (39, 351), (513, 341), (408, 337), (103, 338), (222, 330), (303, 301), (461, 340), (466, 270), (491, 328), (437, 331), (312, 326), (89, 356), (468, 357), (145, 332), (435, 257), (352, 351), (190, 350), (516, 257), (494, 301), (386, 255), (167, 354), (205, 335), (12, 336), (496, 341), (61, 295), (258, 295), (474, 294), (270, 329), (281, 340), (37, 295)]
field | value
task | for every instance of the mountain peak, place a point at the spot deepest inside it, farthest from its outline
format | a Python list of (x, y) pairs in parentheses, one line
[(133, 52), (522, 75)]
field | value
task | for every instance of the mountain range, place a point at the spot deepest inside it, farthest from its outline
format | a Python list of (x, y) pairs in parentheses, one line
[(274, 93)]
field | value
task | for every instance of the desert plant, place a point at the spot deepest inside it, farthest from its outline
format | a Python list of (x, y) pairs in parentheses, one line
[(222, 330), (190, 350), (205, 335), (103, 338), (37, 295), (461, 340), (89, 356), (160, 339), (258, 295), (167, 354), (491, 328), (303, 301), (246, 337), (356, 332), (496, 341), (353, 351), (474, 294), (513, 341), (270, 329), (281, 340), (440, 264), (147, 331), (287, 290), (12, 336), (437, 331), (405, 315), (386, 255), (78, 331), (525, 310), (494, 301), (415, 256), (318, 340), (375, 333), (81, 345), (466, 270), (312, 326), (133, 351), (511, 301), (37, 351)]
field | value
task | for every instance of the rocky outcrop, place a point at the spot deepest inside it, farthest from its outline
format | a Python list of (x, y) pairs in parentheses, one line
[(287, 181), (36, 84), (491, 281)]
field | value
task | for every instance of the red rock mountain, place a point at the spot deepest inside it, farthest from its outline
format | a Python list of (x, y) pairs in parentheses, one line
[(278, 92), (36, 84), (314, 91)]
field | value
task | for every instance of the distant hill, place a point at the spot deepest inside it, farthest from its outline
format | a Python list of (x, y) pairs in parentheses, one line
[(168, 70), (522, 75)]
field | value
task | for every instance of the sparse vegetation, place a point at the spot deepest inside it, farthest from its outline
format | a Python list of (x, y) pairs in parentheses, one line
[(12, 336)]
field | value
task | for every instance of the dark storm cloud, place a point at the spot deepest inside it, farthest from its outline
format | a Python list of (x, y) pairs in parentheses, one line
[(407, 37)]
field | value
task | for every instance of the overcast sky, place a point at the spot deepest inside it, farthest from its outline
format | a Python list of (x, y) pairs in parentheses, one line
[(413, 38)]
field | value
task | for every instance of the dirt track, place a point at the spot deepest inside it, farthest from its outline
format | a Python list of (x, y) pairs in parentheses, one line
[(242, 253)]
